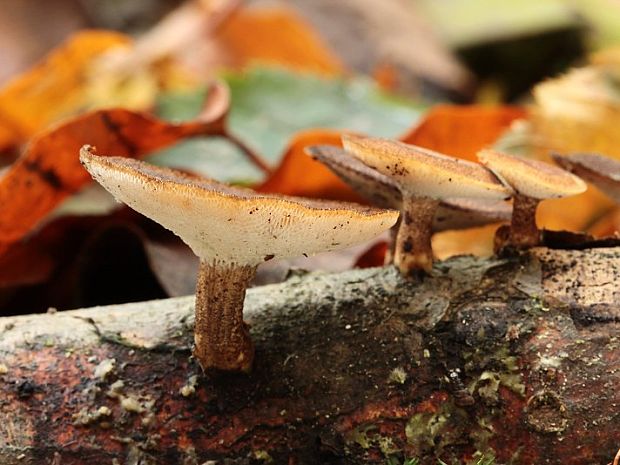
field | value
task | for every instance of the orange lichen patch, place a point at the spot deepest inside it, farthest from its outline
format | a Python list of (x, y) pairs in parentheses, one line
[(49, 170), (461, 131), (300, 175), (52, 89), (275, 36)]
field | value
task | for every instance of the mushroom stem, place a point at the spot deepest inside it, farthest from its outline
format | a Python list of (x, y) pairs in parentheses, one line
[(222, 340), (413, 249), (523, 230)]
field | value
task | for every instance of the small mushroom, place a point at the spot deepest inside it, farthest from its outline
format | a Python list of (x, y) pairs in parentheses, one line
[(532, 181), (603, 172), (380, 190), (232, 230), (424, 178)]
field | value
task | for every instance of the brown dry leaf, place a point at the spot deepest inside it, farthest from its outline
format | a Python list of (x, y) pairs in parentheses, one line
[(49, 170), (368, 34), (574, 213), (461, 131), (298, 174), (274, 36), (54, 88)]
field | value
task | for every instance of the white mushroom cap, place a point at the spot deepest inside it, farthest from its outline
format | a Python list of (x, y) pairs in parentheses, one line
[(532, 178), (603, 172), (235, 225), (424, 173)]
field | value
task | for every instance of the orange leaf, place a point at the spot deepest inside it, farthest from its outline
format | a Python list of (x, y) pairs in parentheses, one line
[(374, 256), (461, 131), (52, 89), (275, 36), (50, 170), (607, 225), (298, 174)]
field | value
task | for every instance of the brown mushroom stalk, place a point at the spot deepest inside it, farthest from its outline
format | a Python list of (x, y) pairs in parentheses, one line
[(424, 179), (221, 337), (232, 230), (532, 181), (524, 232), (412, 248)]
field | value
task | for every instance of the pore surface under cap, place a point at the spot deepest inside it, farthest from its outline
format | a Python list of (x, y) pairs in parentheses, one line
[(425, 173), (532, 178), (235, 225)]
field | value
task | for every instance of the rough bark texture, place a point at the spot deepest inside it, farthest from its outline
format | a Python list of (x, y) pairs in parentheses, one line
[(516, 358)]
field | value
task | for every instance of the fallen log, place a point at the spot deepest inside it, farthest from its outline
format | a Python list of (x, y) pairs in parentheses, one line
[(515, 359)]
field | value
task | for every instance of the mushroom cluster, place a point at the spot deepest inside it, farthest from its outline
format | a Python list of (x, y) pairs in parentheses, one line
[(428, 187), (232, 230)]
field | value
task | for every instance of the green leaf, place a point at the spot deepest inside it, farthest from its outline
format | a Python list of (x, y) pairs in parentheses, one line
[(269, 106)]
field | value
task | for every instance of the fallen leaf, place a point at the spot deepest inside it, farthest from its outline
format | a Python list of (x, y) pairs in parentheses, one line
[(300, 175), (52, 89), (49, 170), (580, 111), (607, 225), (462, 130), (576, 213), (275, 36), (396, 34), (269, 107), (374, 256)]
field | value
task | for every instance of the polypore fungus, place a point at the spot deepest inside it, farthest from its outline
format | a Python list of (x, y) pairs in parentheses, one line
[(532, 181), (599, 170), (424, 178), (232, 230)]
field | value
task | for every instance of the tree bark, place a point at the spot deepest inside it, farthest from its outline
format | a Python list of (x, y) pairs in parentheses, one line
[(515, 358)]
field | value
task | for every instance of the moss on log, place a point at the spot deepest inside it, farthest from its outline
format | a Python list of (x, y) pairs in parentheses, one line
[(517, 359)]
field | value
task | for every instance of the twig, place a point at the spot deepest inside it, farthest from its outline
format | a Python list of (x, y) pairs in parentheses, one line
[(249, 152)]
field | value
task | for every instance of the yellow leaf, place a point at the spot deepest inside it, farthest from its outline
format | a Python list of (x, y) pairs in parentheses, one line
[(53, 89)]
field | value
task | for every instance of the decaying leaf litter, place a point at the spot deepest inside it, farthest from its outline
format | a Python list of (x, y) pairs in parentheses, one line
[(260, 125)]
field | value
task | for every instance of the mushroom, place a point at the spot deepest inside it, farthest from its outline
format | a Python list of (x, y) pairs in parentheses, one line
[(231, 230), (599, 170), (380, 190), (532, 181), (424, 178)]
